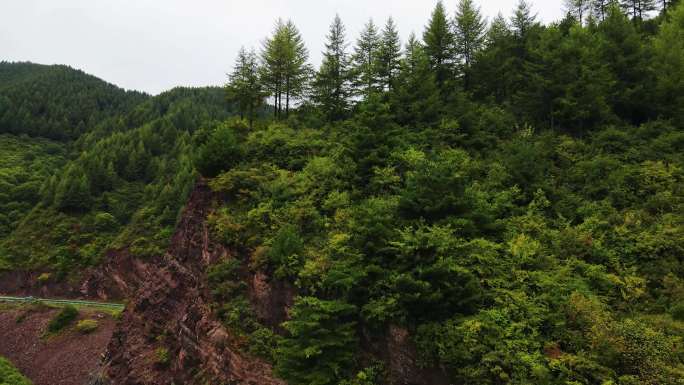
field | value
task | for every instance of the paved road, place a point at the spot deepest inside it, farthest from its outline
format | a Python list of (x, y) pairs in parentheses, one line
[(63, 302)]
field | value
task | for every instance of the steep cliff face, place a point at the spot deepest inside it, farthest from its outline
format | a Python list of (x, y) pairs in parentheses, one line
[(168, 333)]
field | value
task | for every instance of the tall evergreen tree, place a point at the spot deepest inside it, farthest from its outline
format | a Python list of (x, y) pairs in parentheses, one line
[(638, 8), (668, 62), (492, 77), (389, 55), (366, 59), (599, 8), (416, 101), (297, 70), (523, 18), (273, 60), (578, 8), (439, 44), (331, 86), (469, 33), (625, 55), (284, 65), (244, 86)]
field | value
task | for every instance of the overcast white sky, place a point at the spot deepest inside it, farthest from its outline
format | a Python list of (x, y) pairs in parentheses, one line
[(154, 45)]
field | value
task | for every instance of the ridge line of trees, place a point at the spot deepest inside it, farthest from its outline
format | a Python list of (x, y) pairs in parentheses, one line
[(462, 53)]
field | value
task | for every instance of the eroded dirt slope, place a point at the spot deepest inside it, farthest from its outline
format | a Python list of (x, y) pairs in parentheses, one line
[(70, 358)]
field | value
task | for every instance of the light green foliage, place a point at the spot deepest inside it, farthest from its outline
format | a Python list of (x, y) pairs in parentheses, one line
[(162, 357), (26, 164), (86, 326), (9, 375)]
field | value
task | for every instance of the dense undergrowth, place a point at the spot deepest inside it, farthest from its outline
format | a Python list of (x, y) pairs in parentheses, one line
[(517, 208), (522, 235)]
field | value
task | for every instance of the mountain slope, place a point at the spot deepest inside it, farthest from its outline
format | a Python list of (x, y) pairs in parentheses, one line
[(57, 102)]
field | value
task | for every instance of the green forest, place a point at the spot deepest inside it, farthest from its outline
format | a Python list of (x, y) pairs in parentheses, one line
[(510, 192)]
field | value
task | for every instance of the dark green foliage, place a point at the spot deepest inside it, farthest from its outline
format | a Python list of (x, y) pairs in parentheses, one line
[(61, 320), (220, 152), (320, 344), (439, 44), (677, 312), (57, 102), (9, 375)]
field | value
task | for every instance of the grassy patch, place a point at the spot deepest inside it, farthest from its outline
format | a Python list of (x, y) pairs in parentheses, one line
[(86, 326), (9, 375)]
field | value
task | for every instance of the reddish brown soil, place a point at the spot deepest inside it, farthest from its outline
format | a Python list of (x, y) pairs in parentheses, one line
[(116, 279), (69, 358), (172, 310)]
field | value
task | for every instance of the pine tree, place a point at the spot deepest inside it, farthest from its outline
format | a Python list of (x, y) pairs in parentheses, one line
[(439, 44), (244, 87), (523, 19), (297, 71), (599, 8), (668, 62), (498, 29), (366, 59), (284, 66), (273, 65), (416, 100), (389, 55), (331, 87), (637, 8), (578, 8), (469, 34)]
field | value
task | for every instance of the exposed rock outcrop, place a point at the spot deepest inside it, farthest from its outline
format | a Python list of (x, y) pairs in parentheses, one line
[(168, 333)]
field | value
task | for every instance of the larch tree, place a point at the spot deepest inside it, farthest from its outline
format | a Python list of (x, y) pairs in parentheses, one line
[(599, 8), (523, 18), (331, 86), (284, 66), (439, 44), (244, 87), (416, 99), (366, 59), (389, 55), (273, 57), (469, 34), (578, 8), (297, 69), (637, 8)]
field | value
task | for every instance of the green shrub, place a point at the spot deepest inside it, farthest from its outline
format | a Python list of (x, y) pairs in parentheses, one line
[(9, 375), (105, 222), (65, 317), (162, 357), (262, 343), (677, 311), (44, 277), (86, 326)]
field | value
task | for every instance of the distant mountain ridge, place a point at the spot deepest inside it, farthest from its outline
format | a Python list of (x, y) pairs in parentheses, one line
[(57, 101)]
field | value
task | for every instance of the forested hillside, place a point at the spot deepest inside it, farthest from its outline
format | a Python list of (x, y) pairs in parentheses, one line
[(57, 102), (510, 193), (507, 195), (126, 181)]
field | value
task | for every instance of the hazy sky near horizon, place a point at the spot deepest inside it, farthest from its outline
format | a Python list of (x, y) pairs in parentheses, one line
[(155, 45)]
